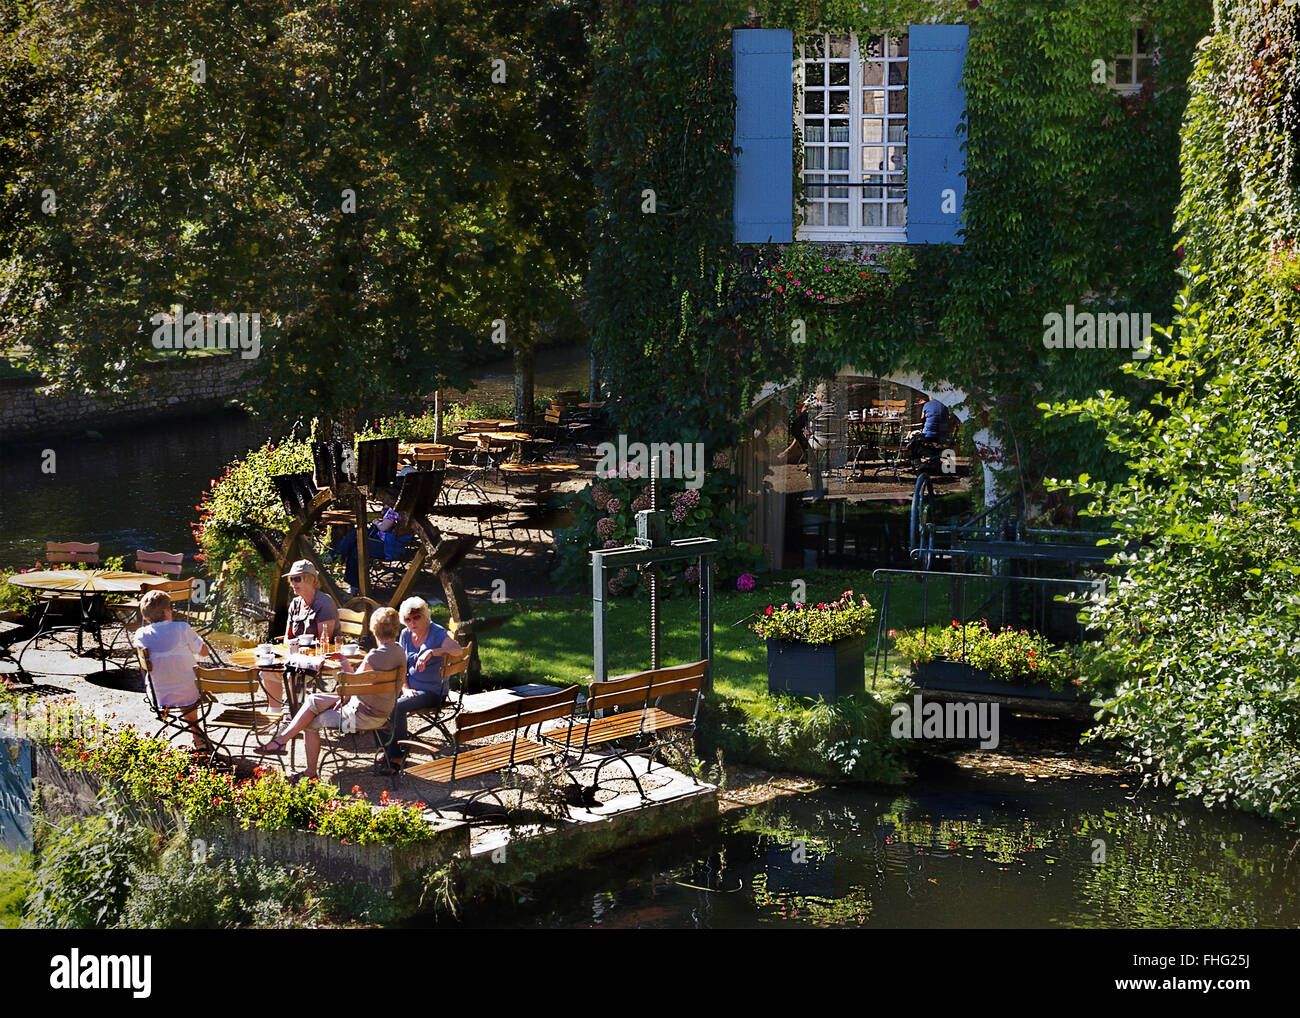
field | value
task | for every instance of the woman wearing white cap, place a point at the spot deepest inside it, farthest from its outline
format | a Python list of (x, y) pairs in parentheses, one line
[(312, 611)]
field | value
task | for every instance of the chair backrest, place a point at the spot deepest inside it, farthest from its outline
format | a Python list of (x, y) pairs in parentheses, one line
[(160, 563), (176, 590), (510, 717), (353, 622), (372, 683), (216, 681), (553, 415), (296, 491), (456, 664), (72, 551), (642, 687)]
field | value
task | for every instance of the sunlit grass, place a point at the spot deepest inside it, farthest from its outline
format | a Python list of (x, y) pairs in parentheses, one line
[(550, 639)]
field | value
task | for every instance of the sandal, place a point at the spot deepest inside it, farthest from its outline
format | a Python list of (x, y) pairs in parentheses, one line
[(267, 750)]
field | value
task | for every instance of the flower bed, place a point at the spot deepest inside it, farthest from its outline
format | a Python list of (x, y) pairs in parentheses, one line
[(820, 623), (1008, 655)]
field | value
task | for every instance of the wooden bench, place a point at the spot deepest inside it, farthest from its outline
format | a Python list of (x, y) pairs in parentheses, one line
[(513, 719), (646, 723)]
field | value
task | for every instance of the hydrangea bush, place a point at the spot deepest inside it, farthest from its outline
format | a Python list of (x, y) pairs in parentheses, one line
[(605, 517)]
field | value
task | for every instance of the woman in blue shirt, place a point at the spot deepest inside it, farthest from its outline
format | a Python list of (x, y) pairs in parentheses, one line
[(425, 643), (382, 543)]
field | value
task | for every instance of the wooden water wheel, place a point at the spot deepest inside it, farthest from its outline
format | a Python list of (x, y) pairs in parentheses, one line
[(337, 496)]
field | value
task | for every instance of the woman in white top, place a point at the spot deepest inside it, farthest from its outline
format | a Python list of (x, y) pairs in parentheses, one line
[(174, 649)]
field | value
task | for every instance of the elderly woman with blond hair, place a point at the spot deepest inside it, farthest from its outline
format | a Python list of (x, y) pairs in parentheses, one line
[(173, 649), (363, 713), (426, 644), (312, 612)]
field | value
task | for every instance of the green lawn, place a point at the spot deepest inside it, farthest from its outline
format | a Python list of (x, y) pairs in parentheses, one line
[(550, 639), (15, 876)]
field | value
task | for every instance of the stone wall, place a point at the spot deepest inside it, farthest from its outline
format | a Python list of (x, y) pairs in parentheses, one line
[(176, 387)]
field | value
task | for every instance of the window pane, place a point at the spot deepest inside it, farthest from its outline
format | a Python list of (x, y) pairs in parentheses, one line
[(839, 73), (897, 159), (840, 47), (838, 192), (873, 192), (814, 101), (897, 214), (839, 130), (812, 215), (873, 130), (814, 158), (872, 73), (897, 130), (898, 45), (839, 159), (814, 47), (898, 74), (1124, 71), (870, 214), (1144, 69), (1142, 40), (840, 101), (873, 159), (814, 74), (873, 102), (837, 214), (898, 101), (873, 47), (811, 189), (814, 133)]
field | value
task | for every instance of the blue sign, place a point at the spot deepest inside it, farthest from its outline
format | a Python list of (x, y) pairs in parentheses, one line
[(15, 793)]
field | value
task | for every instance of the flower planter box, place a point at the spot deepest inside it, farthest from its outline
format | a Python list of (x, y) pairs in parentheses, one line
[(958, 677), (828, 670)]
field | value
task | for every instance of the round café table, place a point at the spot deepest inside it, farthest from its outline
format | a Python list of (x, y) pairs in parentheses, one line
[(247, 658), (89, 586), (540, 475)]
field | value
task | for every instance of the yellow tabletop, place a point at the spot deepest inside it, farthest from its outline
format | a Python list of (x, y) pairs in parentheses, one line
[(84, 581)]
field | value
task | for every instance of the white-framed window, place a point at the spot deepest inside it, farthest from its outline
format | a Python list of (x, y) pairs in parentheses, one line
[(853, 119), (1131, 70)]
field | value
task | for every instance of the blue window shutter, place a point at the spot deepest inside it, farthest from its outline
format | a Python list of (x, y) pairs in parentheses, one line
[(764, 139), (935, 161)]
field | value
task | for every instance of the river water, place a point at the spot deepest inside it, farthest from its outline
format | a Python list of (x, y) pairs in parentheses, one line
[(966, 851), (138, 487)]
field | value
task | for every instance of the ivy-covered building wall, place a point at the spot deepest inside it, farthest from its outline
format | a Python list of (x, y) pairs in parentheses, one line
[(1071, 186)]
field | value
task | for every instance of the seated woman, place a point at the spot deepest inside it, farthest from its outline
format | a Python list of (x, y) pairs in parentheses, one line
[(312, 611), (174, 649), (382, 543), (425, 644), (323, 710)]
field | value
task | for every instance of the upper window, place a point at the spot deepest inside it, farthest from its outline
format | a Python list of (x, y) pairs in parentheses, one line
[(1128, 73), (853, 117)]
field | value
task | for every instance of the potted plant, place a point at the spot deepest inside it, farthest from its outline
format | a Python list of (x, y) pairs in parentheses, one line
[(973, 658), (816, 649)]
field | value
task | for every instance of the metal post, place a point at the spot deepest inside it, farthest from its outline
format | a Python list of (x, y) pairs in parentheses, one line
[(654, 571), (601, 660), (705, 565)]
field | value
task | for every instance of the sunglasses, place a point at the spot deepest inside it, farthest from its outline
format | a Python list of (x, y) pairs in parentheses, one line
[(295, 579)]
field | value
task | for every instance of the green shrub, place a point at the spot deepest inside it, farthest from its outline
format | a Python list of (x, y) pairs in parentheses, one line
[(845, 740), (187, 892), (84, 873), (15, 878)]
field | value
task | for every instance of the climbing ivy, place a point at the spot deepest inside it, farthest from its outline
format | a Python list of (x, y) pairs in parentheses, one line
[(1072, 188), (1205, 616)]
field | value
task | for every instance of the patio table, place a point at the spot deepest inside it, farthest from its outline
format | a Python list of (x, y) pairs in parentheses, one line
[(248, 659), (90, 586)]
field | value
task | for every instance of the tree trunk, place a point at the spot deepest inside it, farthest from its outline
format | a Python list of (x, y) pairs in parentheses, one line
[(523, 358), (437, 415)]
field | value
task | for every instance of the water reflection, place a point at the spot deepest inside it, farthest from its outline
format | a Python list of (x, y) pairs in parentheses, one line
[(996, 855)]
